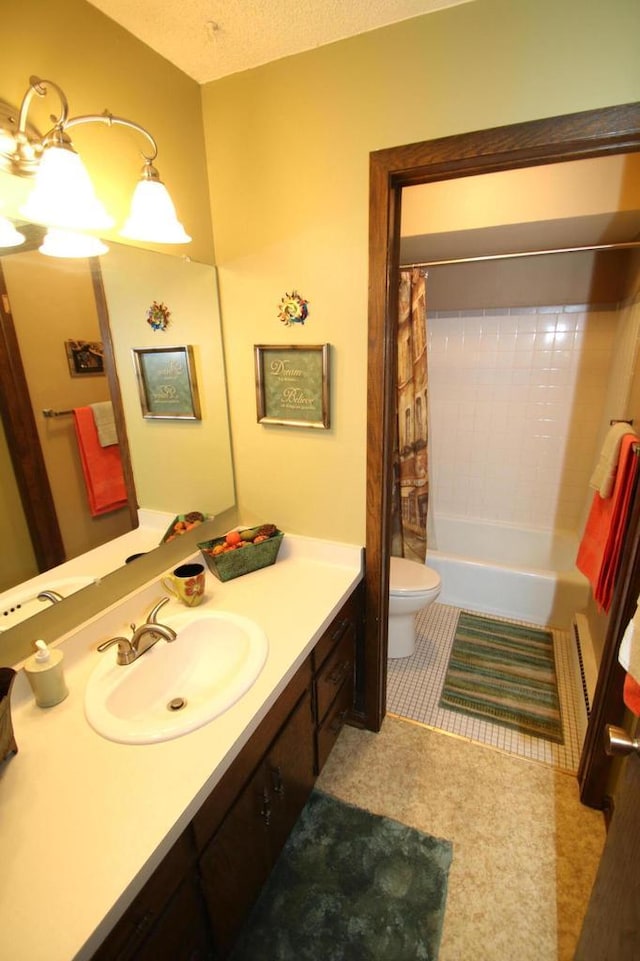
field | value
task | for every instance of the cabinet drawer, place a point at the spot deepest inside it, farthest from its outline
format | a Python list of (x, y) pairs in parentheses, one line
[(346, 617), (333, 723), (134, 927), (182, 932), (337, 669)]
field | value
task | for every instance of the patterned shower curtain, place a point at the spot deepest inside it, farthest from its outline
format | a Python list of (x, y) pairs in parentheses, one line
[(410, 492)]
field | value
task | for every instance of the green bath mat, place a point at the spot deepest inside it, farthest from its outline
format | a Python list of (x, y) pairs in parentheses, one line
[(350, 886), (504, 673)]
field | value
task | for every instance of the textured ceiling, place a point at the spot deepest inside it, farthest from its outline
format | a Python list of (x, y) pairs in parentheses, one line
[(209, 39)]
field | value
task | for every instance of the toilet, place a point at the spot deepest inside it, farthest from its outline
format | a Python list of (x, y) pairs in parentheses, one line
[(412, 586)]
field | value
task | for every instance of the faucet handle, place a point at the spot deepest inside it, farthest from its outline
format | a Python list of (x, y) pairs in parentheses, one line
[(126, 653)]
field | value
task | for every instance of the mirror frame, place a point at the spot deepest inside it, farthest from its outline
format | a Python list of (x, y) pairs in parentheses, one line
[(22, 434)]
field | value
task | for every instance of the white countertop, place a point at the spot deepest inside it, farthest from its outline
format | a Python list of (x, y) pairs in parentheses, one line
[(85, 821)]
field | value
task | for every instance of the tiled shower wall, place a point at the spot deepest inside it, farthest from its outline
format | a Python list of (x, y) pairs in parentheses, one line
[(516, 402)]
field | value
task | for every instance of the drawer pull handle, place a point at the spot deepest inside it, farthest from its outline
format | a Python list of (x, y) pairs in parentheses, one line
[(337, 723), (265, 810), (340, 629), (278, 783), (339, 672)]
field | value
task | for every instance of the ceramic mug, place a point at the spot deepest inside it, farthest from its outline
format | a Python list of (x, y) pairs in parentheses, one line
[(186, 583)]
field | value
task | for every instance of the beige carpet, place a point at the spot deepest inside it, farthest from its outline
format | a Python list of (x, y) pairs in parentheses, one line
[(525, 850)]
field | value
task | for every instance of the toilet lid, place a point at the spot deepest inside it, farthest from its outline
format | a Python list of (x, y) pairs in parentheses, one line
[(410, 577)]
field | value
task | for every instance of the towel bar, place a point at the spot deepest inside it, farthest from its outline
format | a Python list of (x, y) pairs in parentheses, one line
[(50, 412)]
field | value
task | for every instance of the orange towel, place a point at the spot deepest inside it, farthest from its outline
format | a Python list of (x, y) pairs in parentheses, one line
[(632, 694), (601, 545), (101, 466)]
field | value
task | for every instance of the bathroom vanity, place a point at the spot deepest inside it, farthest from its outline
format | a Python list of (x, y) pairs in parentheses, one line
[(153, 851)]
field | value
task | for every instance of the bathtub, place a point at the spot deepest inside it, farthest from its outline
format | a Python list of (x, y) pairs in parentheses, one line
[(523, 574)]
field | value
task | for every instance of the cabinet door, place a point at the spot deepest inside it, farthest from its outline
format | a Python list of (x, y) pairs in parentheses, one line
[(130, 934), (289, 774), (182, 933), (238, 859), (235, 863)]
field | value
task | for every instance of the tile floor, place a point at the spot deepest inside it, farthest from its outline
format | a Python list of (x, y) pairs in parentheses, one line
[(414, 685)]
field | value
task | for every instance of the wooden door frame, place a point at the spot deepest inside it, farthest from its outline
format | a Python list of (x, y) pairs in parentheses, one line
[(24, 444), (579, 136)]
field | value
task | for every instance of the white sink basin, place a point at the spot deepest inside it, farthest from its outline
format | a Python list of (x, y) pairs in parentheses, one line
[(213, 661), (16, 605)]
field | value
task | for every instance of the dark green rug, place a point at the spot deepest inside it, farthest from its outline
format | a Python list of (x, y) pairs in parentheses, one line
[(350, 886), (504, 673)]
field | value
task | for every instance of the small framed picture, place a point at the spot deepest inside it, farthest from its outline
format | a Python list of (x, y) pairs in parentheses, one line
[(292, 385), (85, 357), (167, 382)]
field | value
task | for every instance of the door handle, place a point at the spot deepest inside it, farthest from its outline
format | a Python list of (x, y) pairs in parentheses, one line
[(619, 743)]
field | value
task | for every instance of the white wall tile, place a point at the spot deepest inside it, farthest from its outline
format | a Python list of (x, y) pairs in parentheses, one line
[(515, 407)]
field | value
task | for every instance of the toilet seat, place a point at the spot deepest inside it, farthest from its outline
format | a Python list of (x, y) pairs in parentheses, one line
[(410, 577)]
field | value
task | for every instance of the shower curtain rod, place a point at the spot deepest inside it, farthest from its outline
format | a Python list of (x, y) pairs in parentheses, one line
[(524, 253)]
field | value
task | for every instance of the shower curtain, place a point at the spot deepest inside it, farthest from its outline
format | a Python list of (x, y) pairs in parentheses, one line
[(410, 491)]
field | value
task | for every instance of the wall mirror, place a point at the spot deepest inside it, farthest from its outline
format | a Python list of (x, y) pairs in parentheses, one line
[(46, 304)]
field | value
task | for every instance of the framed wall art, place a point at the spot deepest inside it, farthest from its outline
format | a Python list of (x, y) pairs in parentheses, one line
[(84, 357), (167, 382), (292, 385)]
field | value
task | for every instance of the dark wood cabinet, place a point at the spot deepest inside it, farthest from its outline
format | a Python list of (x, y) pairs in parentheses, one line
[(194, 905), (183, 932), (238, 859), (334, 661), (167, 920)]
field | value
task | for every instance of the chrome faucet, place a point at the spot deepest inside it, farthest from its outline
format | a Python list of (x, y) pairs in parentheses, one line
[(142, 638), (52, 596)]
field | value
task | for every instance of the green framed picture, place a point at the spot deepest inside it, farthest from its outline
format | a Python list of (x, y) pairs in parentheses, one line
[(292, 385), (167, 382)]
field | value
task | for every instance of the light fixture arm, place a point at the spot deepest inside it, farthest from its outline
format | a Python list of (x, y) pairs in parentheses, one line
[(39, 88), (63, 197), (109, 119), (23, 159)]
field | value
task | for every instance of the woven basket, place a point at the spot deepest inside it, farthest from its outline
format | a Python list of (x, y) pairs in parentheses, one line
[(244, 560)]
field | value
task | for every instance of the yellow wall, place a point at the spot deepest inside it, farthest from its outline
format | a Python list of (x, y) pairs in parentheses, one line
[(178, 465), (578, 188), (288, 151), (99, 65)]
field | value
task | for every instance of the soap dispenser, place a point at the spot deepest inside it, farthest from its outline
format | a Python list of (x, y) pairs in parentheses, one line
[(45, 675)]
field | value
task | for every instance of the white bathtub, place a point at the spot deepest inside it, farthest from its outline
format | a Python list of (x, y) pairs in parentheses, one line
[(512, 572)]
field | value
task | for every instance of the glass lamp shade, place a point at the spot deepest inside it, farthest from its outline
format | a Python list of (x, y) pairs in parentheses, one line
[(153, 216), (66, 243), (63, 194), (9, 236)]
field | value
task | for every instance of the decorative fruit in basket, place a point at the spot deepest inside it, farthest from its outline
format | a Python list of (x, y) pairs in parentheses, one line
[(182, 524), (234, 540)]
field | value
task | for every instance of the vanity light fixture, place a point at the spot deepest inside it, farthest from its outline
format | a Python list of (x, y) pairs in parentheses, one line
[(63, 196), (71, 243), (9, 236)]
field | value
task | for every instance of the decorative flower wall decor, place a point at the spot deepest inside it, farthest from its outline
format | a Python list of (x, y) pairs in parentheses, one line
[(293, 309), (158, 316)]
